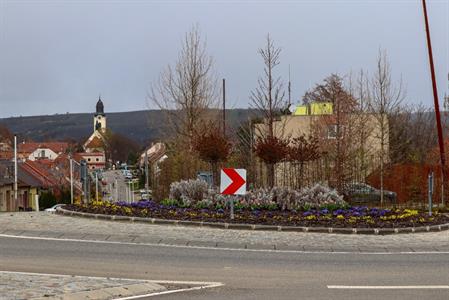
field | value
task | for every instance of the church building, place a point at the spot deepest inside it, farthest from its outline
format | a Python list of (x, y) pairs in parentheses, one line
[(95, 145)]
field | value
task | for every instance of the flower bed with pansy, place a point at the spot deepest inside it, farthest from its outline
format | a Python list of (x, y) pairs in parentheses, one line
[(349, 217), (318, 206)]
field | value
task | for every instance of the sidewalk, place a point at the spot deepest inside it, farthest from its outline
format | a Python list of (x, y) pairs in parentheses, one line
[(46, 225), (16, 285)]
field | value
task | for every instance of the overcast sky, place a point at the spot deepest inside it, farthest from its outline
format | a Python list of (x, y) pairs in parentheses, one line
[(57, 56)]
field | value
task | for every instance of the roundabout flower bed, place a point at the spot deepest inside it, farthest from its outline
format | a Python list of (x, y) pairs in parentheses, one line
[(336, 216)]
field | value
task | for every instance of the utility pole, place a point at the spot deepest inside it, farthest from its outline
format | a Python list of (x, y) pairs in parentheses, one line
[(85, 180), (224, 107), (71, 180), (446, 107), (116, 190), (435, 97), (147, 181), (15, 169), (289, 89)]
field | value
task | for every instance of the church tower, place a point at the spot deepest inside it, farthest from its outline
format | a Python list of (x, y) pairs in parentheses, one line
[(99, 117)]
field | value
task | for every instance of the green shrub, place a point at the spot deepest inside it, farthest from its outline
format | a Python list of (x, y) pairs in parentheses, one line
[(170, 202), (46, 200)]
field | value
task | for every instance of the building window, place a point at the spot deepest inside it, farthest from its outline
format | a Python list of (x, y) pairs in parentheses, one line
[(332, 131), (97, 159), (88, 159)]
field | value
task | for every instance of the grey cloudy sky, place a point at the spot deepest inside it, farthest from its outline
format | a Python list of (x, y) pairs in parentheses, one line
[(57, 56)]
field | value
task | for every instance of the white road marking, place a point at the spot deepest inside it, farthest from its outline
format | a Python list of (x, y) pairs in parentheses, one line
[(196, 288), (388, 287), (217, 248), (200, 284)]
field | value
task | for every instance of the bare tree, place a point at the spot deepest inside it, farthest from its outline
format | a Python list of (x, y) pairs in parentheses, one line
[(386, 99), (268, 99), (188, 89), (302, 149), (213, 147), (362, 126), (336, 129)]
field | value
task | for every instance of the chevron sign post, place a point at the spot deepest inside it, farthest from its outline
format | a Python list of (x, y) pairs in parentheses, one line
[(233, 181)]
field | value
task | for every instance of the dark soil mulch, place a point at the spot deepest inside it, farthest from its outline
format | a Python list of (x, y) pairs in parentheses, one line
[(275, 217)]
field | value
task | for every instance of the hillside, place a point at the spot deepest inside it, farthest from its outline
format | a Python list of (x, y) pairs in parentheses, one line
[(141, 126)]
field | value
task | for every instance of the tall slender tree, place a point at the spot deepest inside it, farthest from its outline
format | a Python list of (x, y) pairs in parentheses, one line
[(186, 90), (386, 97), (268, 99)]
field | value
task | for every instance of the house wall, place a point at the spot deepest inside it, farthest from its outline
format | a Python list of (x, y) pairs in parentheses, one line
[(364, 159), (4, 198), (40, 153), (95, 161), (25, 198)]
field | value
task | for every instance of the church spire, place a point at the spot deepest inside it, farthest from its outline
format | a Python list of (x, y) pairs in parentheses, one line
[(99, 107)]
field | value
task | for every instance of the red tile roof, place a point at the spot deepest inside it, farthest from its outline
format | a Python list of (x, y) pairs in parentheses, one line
[(38, 173), (29, 147), (95, 143), (6, 155)]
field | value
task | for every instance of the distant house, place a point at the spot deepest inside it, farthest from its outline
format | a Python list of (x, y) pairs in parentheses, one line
[(94, 160), (46, 150), (27, 188), (34, 177), (156, 153)]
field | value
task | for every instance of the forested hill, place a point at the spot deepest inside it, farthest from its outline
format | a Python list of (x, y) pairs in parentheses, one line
[(140, 126)]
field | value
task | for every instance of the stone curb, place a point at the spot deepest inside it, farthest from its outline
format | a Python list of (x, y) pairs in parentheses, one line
[(241, 226), (131, 290)]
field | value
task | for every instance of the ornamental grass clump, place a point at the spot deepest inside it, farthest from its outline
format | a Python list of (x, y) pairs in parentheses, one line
[(189, 192), (316, 197)]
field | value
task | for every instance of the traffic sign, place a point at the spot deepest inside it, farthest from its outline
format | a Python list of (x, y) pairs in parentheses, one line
[(233, 181)]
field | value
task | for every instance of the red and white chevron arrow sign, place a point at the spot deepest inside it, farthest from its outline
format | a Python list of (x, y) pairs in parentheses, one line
[(233, 181)]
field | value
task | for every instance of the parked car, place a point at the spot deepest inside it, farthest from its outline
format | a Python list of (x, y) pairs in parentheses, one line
[(144, 195), (362, 193), (53, 208)]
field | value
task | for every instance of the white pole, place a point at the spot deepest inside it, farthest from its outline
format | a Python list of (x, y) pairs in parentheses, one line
[(15, 169), (127, 193), (96, 186), (71, 180)]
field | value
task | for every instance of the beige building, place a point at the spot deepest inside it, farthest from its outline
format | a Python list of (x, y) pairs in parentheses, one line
[(351, 140)]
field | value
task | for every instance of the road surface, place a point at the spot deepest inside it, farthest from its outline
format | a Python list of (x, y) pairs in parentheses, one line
[(116, 188), (246, 274)]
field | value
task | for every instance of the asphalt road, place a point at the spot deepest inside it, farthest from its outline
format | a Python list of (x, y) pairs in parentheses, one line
[(116, 185), (246, 275)]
